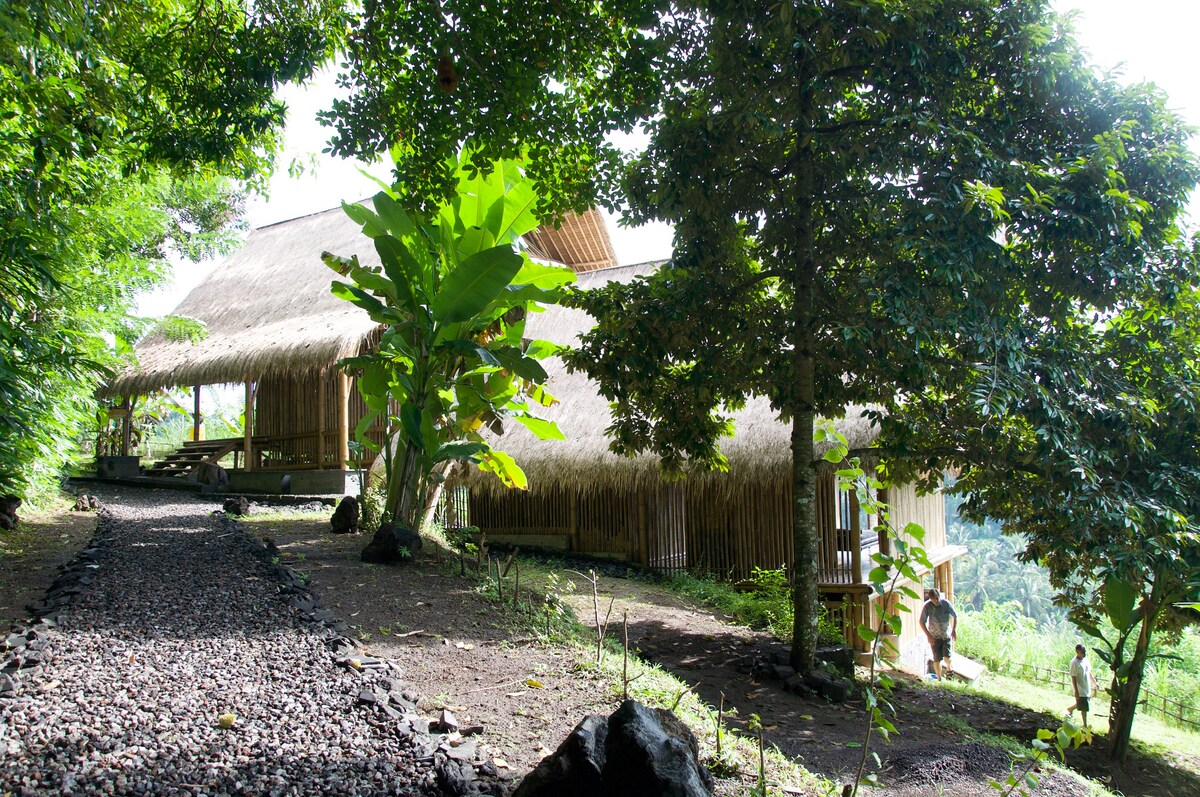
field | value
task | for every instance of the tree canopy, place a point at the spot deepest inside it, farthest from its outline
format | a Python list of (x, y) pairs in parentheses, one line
[(121, 128), (875, 204), (544, 79)]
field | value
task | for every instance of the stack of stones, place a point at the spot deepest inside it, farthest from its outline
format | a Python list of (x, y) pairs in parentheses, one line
[(9, 505)]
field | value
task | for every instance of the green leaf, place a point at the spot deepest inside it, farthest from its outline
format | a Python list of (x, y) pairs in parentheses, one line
[(542, 429), (474, 284), (1120, 598), (403, 270), (523, 366), (410, 421), (358, 297), (460, 451), (393, 217), (505, 467), (371, 223)]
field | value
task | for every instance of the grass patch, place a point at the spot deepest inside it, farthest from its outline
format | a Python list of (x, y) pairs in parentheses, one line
[(763, 602)]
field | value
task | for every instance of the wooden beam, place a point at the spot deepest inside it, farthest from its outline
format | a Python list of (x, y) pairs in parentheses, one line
[(248, 443), (196, 416), (343, 407)]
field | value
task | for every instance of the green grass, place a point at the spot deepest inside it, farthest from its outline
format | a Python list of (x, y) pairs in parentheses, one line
[(766, 604)]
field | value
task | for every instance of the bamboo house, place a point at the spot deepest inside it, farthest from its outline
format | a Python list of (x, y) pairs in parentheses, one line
[(582, 497), (274, 328)]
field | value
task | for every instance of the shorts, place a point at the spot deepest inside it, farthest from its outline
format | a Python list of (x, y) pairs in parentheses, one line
[(1082, 704), (941, 648)]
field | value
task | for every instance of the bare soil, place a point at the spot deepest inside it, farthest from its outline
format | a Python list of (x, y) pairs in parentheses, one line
[(31, 553), (478, 660)]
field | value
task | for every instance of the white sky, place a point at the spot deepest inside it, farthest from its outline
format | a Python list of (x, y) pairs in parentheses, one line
[(1153, 39)]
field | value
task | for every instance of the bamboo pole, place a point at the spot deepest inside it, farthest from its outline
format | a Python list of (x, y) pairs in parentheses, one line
[(321, 410), (196, 417), (127, 427), (856, 574), (248, 441), (343, 408)]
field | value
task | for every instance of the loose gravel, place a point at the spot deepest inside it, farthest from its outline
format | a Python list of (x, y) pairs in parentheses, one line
[(172, 618)]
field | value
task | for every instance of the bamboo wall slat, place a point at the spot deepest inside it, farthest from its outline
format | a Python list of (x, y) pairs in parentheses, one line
[(288, 412)]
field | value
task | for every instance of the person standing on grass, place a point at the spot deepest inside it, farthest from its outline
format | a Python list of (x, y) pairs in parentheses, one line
[(940, 623), (1082, 682)]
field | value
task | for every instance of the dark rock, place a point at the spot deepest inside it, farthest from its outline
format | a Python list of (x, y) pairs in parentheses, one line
[(796, 685), (840, 657), (446, 723), (781, 672), (9, 505), (828, 685), (7, 522), (367, 698), (8, 684), (238, 505), (463, 752), (456, 778), (636, 752), (574, 768), (345, 517), (392, 545), (471, 730)]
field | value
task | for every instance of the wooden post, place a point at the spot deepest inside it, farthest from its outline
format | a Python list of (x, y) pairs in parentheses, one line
[(573, 528), (196, 416), (856, 573), (248, 441), (643, 531), (321, 409), (885, 542), (343, 408), (127, 427)]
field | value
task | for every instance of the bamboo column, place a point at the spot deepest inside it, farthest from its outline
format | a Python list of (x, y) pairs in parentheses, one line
[(127, 427), (321, 422), (643, 531), (885, 542), (196, 417), (343, 407), (248, 441), (856, 573)]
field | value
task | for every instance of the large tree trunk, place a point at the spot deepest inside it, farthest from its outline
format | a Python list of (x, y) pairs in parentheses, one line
[(1124, 702), (1125, 697), (805, 541)]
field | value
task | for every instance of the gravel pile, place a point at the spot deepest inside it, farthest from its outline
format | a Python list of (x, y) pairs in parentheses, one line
[(174, 624), (942, 765)]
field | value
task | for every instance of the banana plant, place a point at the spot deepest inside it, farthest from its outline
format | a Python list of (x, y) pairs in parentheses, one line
[(452, 293)]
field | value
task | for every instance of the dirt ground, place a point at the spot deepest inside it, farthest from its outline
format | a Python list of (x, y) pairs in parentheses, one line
[(467, 655), (31, 553)]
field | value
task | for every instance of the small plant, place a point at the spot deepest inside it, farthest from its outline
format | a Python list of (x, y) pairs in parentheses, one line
[(554, 608), (1024, 782), (385, 630), (364, 636), (760, 789)]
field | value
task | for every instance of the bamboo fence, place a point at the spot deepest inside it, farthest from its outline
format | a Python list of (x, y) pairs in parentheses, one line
[(1186, 714)]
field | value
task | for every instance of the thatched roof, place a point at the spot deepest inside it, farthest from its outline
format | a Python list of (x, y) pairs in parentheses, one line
[(759, 451), (269, 311), (580, 241)]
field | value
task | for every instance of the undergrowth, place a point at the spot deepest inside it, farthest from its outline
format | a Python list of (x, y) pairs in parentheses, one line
[(764, 602)]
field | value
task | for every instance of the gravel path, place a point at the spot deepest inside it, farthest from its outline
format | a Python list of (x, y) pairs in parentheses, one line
[(179, 618)]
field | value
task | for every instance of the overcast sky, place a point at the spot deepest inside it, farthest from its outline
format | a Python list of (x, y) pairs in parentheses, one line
[(1153, 39)]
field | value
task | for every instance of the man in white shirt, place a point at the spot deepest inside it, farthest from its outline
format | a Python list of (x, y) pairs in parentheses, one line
[(1082, 682)]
